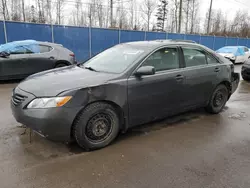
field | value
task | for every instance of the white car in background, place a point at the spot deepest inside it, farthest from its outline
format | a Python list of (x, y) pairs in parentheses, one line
[(236, 54)]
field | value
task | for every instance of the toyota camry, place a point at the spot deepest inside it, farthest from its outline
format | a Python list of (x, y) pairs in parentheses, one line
[(124, 86)]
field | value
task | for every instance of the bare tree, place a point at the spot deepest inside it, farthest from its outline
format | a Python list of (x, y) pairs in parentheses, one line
[(209, 16), (147, 9), (48, 10), (41, 15), (59, 10), (100, 13), (187, 14), (15, 10), (180, 16), (4, 9), (176, 8), (23, 11)]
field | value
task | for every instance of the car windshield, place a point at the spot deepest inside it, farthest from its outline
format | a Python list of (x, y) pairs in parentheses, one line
[(114, 60), (227, 50)]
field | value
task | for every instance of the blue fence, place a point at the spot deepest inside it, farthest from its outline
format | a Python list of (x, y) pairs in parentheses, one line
[(86, 42)]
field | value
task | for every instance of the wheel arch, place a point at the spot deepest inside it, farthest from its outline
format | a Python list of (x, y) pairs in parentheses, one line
[(62, 62), (117, 108)]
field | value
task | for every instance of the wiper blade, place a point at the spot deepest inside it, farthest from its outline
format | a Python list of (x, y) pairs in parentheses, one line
[(90, 68)]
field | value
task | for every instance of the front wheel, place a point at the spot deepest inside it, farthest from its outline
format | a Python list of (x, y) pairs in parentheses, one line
[(218, 99), (96, 126)]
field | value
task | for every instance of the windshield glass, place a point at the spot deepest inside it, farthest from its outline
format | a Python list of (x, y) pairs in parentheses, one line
[(227, 50), (114, 60)]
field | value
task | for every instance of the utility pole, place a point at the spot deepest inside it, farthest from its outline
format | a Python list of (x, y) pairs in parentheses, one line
[(111, 13), (180, 12), (209, 16)]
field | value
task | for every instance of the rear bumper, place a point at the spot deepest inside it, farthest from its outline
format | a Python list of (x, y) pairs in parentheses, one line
[(52, 123), (235, 82)]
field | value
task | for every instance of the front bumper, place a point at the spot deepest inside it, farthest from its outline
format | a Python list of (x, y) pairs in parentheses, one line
[(52, 123)]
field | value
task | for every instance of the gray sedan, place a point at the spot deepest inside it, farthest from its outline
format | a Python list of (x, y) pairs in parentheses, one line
[(127, 85), (20, 59)]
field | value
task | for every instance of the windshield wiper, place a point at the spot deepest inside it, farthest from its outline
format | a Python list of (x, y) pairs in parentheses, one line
[(90, 68)]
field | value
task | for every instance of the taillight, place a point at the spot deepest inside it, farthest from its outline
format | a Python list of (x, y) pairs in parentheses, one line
[(72, 55)]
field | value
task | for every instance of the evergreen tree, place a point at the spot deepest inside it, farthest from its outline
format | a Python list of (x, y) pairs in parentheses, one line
[(161, 15)]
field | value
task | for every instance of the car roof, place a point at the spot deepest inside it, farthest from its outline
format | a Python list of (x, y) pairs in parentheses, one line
[(159, 43), (49, 43), (28, 42), (234, 47)]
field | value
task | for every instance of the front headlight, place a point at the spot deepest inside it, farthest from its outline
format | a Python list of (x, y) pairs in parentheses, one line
[(49, 102)]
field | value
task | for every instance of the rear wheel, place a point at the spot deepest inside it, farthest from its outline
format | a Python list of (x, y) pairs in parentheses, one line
[(218, 99), (96, 126)]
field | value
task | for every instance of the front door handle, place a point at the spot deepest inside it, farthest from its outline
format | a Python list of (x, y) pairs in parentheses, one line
[(51, 58), (179, 77), (217, 69)]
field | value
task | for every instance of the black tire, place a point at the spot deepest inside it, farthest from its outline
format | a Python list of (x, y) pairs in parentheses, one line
[(245, 78), (61, 65), (97, 118), (218, 99)]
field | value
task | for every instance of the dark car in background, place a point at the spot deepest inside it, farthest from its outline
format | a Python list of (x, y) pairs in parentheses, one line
[(245, 70), (124, 86), (20, 59)]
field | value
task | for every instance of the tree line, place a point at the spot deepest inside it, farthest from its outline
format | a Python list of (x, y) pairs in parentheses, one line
[(152, 15)]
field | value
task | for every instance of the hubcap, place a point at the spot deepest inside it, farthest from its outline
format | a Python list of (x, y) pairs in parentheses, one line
[(99, 127), (219, 99)]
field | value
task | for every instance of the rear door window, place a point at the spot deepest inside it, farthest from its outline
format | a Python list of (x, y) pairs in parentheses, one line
[(194, 57)]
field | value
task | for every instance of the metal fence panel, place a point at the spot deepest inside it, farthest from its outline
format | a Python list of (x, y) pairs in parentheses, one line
[(2, 39), (242, 42), (102, 39), (195, 38), (219, 42), (128, 36), (155, 35), (232, 41), (75, 39), (248, 43), (176, 36), (207, 41), (22, 31)]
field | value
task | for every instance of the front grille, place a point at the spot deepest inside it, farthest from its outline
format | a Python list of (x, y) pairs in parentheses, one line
[(17, 99)]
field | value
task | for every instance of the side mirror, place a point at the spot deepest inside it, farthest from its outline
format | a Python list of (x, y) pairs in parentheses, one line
[(145, 70)]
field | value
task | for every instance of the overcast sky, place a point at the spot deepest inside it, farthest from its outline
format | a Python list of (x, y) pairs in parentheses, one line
[(228, 6)]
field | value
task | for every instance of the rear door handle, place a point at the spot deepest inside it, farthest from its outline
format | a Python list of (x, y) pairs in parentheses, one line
[(179, 77), (217, 69)]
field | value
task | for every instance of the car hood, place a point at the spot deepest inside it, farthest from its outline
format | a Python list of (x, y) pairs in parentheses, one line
[(53, 82)]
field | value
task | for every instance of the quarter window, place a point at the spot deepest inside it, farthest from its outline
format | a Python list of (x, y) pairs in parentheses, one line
[(163, 59), (246, 49), (194, 57), (44, 49)]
